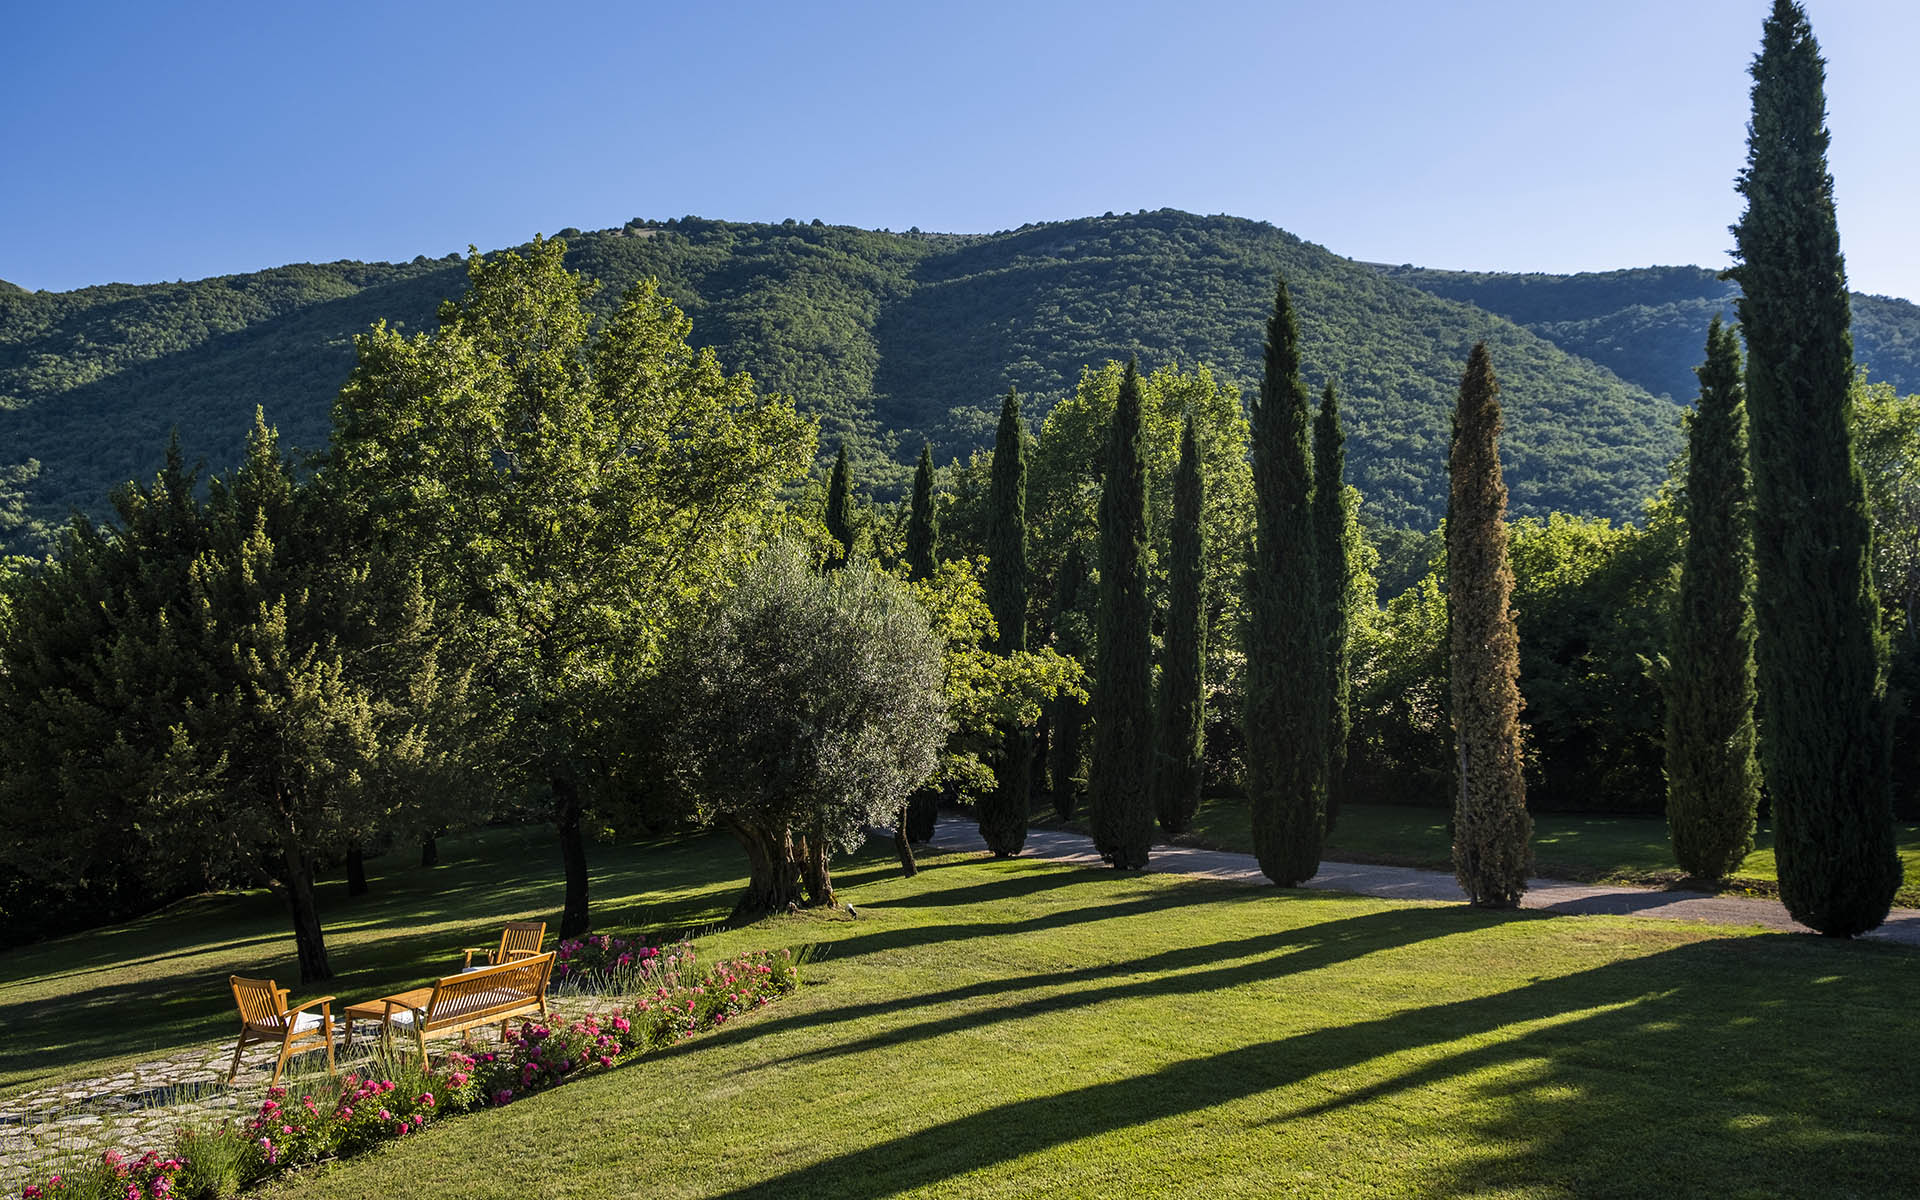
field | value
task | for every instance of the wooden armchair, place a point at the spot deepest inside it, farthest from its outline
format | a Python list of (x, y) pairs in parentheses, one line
[(520, 939), (265, 1017)]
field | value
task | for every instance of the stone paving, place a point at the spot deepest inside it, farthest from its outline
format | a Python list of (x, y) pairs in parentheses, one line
[(1408, 883), (139, 1108)]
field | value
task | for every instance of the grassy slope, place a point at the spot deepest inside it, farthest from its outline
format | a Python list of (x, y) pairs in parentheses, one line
[(1012, 1028), (1565, 845), (76, 1004)]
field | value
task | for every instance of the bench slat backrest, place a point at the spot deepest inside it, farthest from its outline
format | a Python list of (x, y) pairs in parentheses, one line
[(473, 994), (260, 1002), (520, 939)]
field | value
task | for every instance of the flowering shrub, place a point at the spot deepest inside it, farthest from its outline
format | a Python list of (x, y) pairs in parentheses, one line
[(359, 1111), (599, 955), (149, 1177)]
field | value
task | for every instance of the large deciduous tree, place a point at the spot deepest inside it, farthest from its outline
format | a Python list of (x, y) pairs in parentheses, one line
[(1118, 779), (1180, 715), (1286, 708), (1491, 826), (809, 706), (1003, 811), (570, 493), (1820, 652), (1713, 779)]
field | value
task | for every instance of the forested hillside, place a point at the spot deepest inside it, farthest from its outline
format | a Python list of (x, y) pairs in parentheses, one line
[(1648, 325), (888, 337)]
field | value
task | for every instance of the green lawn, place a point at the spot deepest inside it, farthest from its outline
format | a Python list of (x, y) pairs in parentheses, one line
[(1014, 1029), (1565, 845), (1006, 1028)]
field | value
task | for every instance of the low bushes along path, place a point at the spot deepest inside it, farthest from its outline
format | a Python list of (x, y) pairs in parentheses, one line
[(1411, 883)]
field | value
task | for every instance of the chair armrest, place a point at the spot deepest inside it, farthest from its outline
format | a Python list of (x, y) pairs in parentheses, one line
[(321, 1001), (517, 955), (470, 952)]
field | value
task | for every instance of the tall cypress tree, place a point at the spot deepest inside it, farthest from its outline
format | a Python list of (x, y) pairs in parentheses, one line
[(1490, 822), (1003, 815), (1333, 533), (1117, 781), (1713, 781), (1180, 715), (923, 526), (918, 818), (1067, 717), (1286, 712), (840, 507), (1820, 655)]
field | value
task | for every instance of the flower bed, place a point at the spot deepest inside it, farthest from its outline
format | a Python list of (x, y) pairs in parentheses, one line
[(297, 1126)]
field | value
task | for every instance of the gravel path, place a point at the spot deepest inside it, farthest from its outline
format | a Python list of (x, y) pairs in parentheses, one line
[(1410, 883)]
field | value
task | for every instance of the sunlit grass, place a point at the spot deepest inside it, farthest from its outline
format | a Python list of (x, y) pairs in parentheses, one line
[(1012, 1029)]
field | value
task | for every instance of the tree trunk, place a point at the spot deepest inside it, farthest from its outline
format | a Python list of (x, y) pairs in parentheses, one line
[(813, 871), (308, 940), (773, 879), (430, 853), (901, 845), (356, 870), (923, 813), (574, 919)]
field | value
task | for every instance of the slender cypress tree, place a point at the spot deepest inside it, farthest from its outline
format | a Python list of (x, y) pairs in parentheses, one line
[(1180, 715), (1286, 710), (918, 817), (1007, 531), (840, 507), (923, 526), (1713, 780), (1333, 532), (1490, 822), (1003, 815), (1068, 716), (1826, 749), (1117, 781)]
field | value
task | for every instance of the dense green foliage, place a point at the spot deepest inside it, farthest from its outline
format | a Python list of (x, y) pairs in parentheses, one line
[(1285, 632), (214, 691), (887, 338), (1887, 446), (1490, 812), (1072, 625), (1822, 684), (572, 491), (1180, 714), (1645, 324), (1119, 777), (809, 706), (1003, 812), (1713, 777)]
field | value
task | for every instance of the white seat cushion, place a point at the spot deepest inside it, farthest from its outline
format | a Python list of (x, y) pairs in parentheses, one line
[(301, 1024)]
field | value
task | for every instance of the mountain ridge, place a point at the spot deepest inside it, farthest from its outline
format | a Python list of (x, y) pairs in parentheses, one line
[(888, 337)]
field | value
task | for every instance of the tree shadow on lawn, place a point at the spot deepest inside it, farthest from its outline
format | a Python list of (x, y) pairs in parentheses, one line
[(1689, 1071)]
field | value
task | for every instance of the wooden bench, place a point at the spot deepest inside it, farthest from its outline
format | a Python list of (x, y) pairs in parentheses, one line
[(483, 996), (520, 939), (265, 1017)]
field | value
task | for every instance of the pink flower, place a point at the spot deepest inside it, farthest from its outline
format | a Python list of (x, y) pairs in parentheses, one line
[(426, 1098), (385, 1115)]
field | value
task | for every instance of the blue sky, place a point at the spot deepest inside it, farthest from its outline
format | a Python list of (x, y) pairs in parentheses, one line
[(145, 142)]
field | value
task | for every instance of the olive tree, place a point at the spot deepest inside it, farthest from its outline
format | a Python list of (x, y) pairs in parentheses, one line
[(809, 706)]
